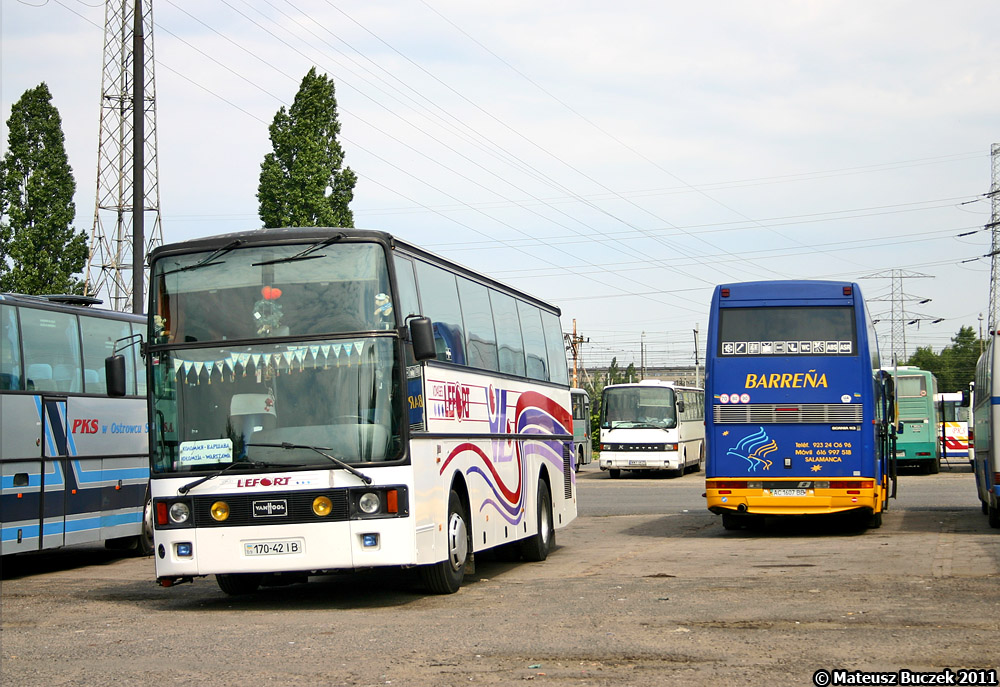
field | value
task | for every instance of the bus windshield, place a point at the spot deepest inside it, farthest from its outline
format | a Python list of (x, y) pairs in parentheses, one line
[(269, 291), (635, 407), (214, 406)]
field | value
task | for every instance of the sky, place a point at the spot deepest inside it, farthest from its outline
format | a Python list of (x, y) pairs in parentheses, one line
[(615, 159)]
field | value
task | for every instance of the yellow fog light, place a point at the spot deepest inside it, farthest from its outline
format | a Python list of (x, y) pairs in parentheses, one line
[(220, 510), (322, 506)]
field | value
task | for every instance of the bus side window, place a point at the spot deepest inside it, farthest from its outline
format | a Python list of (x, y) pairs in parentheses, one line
[(10, 350), (510, 345), (535, 354), (478, 318), (52, 350), (99, 336), (439, 301), (555, 348)]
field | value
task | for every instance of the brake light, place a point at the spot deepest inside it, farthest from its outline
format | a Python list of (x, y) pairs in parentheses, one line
[(730, 485), (724, 293), (851, 484), (848, 290)]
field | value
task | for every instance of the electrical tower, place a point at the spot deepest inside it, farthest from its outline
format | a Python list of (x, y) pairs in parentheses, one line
[(994, 227), (899, 317), (128, 104)]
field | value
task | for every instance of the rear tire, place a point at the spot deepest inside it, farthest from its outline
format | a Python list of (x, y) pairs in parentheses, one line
[(446, 577), (874, 521), (993, 515), (237, 584), (614, 473), (935, 467), (536, 548), (731, 521)]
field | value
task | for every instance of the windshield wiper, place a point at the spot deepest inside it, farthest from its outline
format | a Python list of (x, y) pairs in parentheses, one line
[(205, 262), (306, 254), (191, 485), (321, 450)]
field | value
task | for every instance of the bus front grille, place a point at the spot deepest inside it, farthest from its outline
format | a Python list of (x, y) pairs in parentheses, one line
[(782, 413)]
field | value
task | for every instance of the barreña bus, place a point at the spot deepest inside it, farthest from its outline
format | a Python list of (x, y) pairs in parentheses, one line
[(652, 425), (329, 399), (74, 463), (918, 442), (798, 414)]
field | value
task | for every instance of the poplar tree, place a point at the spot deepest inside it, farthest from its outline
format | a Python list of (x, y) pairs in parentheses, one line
[(39, 249), (303, 182)]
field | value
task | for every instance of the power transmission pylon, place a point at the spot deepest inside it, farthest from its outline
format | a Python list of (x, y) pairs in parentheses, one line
[(573, 342), (110, 267), (994, 227), (899, 317)]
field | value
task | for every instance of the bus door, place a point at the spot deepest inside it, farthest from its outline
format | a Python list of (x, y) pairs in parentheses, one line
[(22, 472), (54, 442)]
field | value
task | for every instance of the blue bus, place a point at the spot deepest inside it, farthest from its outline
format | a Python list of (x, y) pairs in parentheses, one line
[(74, 462), (985, 415), (799, 414)]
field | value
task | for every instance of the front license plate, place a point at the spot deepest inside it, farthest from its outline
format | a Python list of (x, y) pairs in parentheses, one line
[(279, 547), (637, 462), (788, 492)]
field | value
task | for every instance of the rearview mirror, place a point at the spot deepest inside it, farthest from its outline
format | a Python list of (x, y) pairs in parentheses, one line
[(422, 338), (114, 370)]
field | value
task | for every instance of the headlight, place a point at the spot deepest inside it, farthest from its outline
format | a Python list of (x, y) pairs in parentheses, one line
[(369, 503), (220, 510), (179, 512), (322, 506)]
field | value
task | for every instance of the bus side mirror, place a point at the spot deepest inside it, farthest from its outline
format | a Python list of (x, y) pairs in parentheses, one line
[(422, 338), (680, 406), (114, 370)]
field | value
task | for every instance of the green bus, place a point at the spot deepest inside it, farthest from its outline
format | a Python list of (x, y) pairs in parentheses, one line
[(918, 419)]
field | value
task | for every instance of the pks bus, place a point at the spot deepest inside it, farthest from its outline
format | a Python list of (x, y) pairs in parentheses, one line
[(583, 448), (918, 442), (798, 413), (330, 399), (74, 462), (652, 425), (953, 429), (986, 420)]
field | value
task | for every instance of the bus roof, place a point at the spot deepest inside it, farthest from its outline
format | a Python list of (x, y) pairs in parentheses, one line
[(70, 303), (798, 290)]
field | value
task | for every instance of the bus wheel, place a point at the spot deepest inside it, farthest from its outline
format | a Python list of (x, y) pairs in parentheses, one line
[(144, 540), (993, 515), (934, 467), (614, 473), (446, 577), (700, 465), (875, 521), (579, 460), (984, 507), (239, 583), (536, 548), (731, 521)]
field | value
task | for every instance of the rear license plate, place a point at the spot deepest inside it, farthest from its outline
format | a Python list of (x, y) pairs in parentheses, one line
[(788, 492), (637, 462), (901, 454), (279, 547)]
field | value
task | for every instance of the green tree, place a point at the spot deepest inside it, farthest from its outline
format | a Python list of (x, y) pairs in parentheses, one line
[(955, 365), (303, 182), (39, 249)]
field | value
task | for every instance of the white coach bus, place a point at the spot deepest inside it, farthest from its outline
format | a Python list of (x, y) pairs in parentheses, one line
[(330, 399), (652, 425)]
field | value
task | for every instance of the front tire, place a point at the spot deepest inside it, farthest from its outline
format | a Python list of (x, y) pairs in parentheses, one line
[(446, 577), (993, 516), (536, 548), (144, 540), (237, 584)]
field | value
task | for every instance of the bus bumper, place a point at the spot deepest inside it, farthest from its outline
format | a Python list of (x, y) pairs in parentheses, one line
[(640, 460), (816, 501), (317, 547)]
